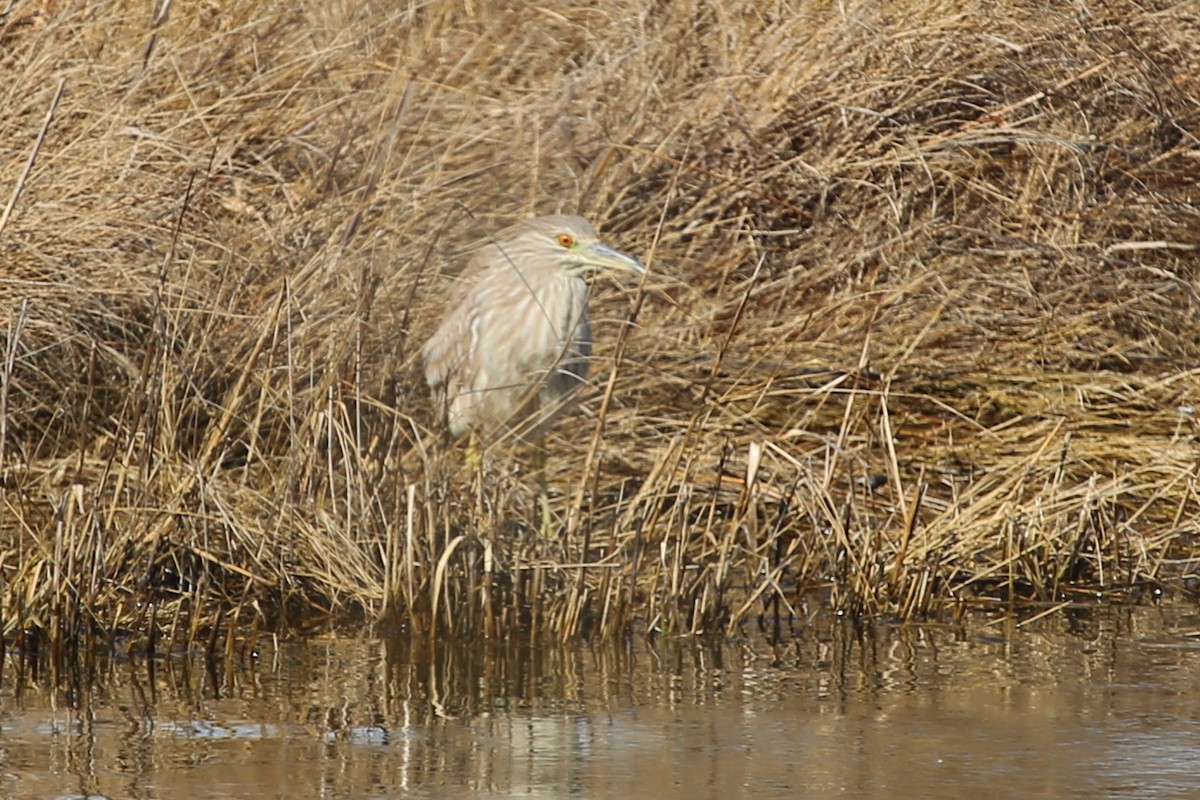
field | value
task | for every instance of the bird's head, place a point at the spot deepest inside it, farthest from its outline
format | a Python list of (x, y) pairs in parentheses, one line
[(571, 244)]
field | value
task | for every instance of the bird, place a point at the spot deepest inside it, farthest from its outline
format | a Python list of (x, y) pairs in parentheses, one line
[(512, 351)]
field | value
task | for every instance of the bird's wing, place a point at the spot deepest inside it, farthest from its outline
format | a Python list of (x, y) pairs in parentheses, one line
[(451, 344), (447, 349)]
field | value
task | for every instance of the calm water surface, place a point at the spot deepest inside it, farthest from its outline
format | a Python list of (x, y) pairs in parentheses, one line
[(1094, 703)]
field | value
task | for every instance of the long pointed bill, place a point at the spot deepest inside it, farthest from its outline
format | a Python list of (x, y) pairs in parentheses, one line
[(601, 257)]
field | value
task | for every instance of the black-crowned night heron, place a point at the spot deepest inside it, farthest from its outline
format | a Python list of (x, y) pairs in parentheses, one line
[(513, 349)]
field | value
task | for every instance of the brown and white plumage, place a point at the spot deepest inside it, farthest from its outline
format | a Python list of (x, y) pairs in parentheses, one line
[(513, 349)]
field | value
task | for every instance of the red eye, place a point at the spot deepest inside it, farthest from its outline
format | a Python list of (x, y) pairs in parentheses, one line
[(566, 240)]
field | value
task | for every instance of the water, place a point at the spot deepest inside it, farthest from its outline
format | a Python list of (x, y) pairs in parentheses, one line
[(1094, 703)]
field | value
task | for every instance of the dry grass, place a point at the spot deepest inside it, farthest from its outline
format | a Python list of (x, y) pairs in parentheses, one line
[(923, 325)]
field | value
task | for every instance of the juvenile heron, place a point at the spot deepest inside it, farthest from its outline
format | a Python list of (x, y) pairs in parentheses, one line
[(514, 347)]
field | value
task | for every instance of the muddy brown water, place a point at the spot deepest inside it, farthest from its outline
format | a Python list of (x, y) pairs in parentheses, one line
[(1089, 703)]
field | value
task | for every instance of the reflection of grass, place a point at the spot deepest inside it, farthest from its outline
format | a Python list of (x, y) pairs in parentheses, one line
[(921, 322)]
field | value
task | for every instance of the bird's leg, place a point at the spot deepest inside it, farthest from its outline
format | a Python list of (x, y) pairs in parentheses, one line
[(474, 463), (474, 456)]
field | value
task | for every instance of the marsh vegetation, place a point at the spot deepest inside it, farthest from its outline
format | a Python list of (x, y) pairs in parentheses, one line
[(921, 332)]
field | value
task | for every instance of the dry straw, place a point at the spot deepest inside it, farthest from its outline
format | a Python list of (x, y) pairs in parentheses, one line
[(922, 329)]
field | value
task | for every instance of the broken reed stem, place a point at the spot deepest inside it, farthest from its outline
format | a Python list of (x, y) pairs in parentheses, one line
[(19, 187)]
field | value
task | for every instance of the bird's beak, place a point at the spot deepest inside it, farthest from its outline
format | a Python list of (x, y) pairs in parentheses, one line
[(601, 257)]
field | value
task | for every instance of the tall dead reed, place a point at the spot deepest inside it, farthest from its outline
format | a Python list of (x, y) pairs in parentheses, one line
[(922, 331)]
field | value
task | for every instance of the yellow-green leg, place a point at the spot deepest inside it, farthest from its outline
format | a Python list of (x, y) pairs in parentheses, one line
[(474, 456), (473, 461)]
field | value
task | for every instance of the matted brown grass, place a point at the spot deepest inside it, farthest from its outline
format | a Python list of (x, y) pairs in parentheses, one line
[(921, 326)]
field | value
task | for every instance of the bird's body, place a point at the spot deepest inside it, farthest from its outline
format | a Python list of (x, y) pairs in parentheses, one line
[(513, 349)]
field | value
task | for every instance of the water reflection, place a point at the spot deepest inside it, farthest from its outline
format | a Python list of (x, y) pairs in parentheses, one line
[(1086, 704)]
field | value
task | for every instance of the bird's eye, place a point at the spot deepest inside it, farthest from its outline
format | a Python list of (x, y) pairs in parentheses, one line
[(566, 240)]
